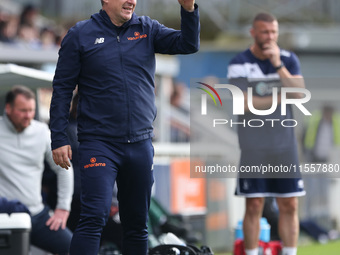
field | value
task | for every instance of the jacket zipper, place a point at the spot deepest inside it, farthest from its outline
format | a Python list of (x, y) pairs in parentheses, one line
[(127, 92)]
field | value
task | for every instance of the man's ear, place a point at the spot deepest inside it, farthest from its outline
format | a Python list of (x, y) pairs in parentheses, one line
[(8, 108), (251, 31)]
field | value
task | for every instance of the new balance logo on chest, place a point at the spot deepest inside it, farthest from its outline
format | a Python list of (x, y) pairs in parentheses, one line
[(99, 40)]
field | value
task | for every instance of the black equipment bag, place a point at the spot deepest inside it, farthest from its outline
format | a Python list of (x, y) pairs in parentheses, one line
[(173, 249)]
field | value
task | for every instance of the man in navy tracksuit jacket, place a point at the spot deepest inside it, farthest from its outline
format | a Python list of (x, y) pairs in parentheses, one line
[(112, 59)]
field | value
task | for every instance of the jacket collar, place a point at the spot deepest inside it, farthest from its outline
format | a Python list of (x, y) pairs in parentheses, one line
[(134, 19)]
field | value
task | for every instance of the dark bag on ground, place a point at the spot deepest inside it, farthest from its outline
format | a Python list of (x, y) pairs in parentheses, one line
[(173, 249)]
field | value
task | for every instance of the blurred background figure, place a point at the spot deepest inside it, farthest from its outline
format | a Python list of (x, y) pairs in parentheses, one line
[(9, 29), (27, 28), (179, 99), (29, 15), (322, 135), (24, 145)]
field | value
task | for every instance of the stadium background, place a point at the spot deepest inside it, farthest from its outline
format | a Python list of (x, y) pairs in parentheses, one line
[(310, 28)]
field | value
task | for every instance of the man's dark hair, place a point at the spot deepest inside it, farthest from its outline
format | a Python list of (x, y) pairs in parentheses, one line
[(19, 90), (102, 2), (266, 17)]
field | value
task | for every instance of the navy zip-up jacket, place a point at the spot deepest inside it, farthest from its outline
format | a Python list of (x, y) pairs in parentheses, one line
[(114, 68)]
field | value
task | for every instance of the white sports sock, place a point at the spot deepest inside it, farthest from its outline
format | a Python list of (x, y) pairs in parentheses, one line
[(252, 251), (289, 250)]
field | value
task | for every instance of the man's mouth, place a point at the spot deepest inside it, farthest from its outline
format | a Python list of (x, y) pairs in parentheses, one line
[(127, 8)]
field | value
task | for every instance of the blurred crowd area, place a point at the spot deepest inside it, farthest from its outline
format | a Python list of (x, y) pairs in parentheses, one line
[(25, 27)]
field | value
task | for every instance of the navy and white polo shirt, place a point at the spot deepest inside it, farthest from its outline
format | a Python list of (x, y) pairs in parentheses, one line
[(244, 71)]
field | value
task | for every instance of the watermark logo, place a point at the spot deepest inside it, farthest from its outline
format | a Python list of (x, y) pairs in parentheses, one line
[(244, 104), (204, 97), (239, 100)]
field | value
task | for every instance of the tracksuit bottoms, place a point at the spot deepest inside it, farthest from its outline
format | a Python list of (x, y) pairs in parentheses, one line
[(101, 164)]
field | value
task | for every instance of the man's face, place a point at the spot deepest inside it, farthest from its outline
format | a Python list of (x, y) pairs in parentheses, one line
[(21, 112), (120, 11), (264, 32)]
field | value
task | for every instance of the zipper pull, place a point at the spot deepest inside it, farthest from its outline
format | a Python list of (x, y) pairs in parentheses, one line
[(118, 38)]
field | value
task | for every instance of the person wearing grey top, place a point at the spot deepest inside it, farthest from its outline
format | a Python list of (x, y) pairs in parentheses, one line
[(24, 145)]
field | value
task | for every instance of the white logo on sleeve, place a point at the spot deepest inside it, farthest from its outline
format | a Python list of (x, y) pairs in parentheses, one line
[(99, 40)]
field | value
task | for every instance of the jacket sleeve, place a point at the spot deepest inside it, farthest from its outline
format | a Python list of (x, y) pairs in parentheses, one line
[(65, 181), (185, 41), (64, 82)]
